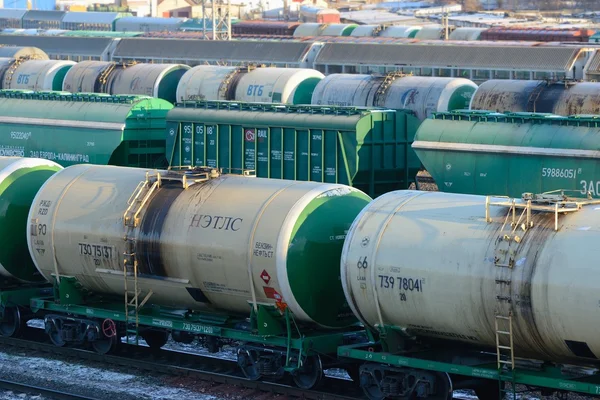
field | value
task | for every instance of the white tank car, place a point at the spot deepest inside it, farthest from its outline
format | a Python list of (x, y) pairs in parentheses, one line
[(430, 263), (224, 243)]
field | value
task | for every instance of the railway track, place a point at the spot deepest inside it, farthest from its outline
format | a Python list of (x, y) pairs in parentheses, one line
[(19, 387), (176, 363)]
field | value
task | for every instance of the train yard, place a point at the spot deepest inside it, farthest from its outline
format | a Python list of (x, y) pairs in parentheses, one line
[(238, 212)]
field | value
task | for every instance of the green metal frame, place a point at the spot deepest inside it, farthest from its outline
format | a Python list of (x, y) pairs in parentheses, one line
[(270, 326), (591, 121), (368, 148), (547, 377)]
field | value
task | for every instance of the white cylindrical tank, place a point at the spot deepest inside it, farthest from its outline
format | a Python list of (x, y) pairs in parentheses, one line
[(309, 29), (23, 52), (429, 262), (209, 82), (338, 29), (156, 80), (430, 32), (223, 243), (466, 33), (426, 95), (347, 90), (399, 31), (37, 75), (84, 76), (278, 85), (365, 30)]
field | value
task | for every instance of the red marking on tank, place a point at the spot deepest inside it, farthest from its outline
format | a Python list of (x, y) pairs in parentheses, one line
[(272, 293), (249, 133), (265, 276)]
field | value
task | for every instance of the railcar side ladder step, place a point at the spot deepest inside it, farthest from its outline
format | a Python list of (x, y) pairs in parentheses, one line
[(136, 204), (131, 218), (505, 355)]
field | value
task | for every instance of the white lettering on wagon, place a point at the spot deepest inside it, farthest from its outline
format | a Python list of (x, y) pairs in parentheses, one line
[(69, 157), (12, 151)]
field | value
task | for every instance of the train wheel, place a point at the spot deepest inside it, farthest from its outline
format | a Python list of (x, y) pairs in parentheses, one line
[(370, 386), (12, 323), (247, 360), (55, 336), (108, 338), (105, 345), (310, 374), (443, 386), (155, 339)]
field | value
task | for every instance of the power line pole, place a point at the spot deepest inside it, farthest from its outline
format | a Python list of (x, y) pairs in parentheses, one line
[(220, 15)]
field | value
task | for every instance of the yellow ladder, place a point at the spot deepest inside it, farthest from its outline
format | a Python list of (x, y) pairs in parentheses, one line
[(136, 203), (505, 355), (387, 82), (517, 223), (505, 352)]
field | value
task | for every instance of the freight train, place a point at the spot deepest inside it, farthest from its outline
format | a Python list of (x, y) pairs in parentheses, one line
[(477, 61), (365, 148), (177, 83), (358, 146), (314, 21), (447, 293)]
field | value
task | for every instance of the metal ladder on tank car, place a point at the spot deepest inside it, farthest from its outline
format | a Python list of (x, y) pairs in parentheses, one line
[(135, 205), (224, 87), (131, 218), (103, 78), (8, 75), (533, 98), (387, 82), (506, 250)]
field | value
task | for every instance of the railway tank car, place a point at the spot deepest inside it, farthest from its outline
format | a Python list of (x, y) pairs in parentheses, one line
[(20, 180), (421, 95), (37, 75), (270, 85), (157, 80), (560, 98), (219, 245), (474, 269)]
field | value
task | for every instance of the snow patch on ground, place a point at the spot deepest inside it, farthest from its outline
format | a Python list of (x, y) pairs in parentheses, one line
[(63, 374)]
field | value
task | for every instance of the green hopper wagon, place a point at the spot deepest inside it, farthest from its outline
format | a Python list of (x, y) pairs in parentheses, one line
[(488, 153), (83, 128), (365, 148)]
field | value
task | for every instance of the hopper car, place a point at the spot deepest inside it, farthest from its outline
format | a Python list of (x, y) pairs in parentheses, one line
[(449, 295), (361, 147), (481, 152)]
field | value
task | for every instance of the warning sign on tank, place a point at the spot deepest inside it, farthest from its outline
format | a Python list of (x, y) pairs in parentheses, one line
[(265, 276), (272, 293)]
